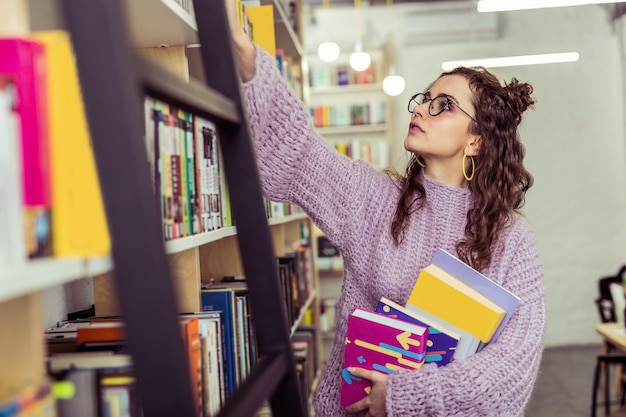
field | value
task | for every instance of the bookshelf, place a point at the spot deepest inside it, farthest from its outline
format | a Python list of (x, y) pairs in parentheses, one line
[(351, 110), (139, 260)]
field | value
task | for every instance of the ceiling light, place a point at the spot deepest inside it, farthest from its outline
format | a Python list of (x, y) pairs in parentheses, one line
[(393, 85), (512, 61), (359, 60), (328, 51), (506, 5)]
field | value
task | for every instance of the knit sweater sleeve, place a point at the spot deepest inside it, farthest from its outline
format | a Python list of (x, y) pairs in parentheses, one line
[(295, 164), (498, 380)]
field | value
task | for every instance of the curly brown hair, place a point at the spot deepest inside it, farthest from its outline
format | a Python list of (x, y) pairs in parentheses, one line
[(501, 180)]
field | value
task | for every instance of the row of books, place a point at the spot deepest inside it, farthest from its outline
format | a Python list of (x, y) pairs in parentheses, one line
[(91, 356), (453, 311), (230, 296), (27, 399), (220, 343), (369, 113), (187, 175), (327, 75), (376, 152), (291, 70)]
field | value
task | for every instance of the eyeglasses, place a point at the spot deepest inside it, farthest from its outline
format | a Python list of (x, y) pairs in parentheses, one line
[(437, 105)]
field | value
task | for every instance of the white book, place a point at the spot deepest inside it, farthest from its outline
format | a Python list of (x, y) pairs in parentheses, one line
[(12, 239)]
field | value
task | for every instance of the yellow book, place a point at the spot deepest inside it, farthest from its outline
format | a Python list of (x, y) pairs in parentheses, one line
[(262, 20), (443, 295), (79, 226)]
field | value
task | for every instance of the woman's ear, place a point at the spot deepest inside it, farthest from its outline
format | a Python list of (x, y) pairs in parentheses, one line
[(473, 146)]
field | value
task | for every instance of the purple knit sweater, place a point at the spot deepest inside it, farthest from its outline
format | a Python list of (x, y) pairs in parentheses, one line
[(353, 205)]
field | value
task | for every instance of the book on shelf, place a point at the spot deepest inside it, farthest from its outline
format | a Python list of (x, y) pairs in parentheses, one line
[(12, 241), (185, 141), (79, 225), (262, 20), (101, 384), (208, 175), (380, 343), (104, 340), (441, 294), (24, 61), (27, 399), (364, 77), (210, 329), (223, 299), (442, 341), (465, 273)]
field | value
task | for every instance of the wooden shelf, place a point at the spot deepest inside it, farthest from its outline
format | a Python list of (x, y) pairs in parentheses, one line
[(352, 129), (350, 88), (39, 274), (159, 22)]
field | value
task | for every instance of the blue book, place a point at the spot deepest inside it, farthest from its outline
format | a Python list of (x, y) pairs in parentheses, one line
[(224, 300), (442, 342), (468, 275)]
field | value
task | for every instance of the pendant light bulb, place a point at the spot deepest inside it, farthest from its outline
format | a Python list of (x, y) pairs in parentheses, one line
[(393, 85), (359, 60), (328, 51)]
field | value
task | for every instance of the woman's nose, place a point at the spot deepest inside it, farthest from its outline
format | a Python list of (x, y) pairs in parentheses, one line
[(420, 110)]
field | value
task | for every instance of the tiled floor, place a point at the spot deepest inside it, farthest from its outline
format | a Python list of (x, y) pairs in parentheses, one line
[(564, 384)]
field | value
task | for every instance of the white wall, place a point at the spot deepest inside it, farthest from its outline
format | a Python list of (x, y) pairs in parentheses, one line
[(575, 138)]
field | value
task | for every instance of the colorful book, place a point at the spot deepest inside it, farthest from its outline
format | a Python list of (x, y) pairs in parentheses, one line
[(381, 343), (79, 224), (443, 295), (468, 344), (442, 341), (465, 273), (24, 61)]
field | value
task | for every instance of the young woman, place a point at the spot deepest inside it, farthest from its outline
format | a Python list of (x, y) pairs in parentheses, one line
[(461, 191)]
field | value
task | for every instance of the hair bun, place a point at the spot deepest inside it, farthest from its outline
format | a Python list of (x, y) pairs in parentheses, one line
[(519, 97)]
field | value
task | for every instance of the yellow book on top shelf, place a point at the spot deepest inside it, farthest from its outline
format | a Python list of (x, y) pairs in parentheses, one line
[(445, 296), (79, 224), (262, 21)]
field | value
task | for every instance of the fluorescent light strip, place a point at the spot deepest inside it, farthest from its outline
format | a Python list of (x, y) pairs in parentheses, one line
[(512, 61), (507, 5)]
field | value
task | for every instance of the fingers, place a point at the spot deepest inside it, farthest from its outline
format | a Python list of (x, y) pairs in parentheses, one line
[(364, 373)]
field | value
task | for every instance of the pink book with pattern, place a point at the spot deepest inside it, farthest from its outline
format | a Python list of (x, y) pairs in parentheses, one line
[(380, 343), (24, 60)]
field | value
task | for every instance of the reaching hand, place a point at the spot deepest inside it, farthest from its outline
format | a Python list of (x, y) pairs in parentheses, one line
[(375, 402), (244, 48)]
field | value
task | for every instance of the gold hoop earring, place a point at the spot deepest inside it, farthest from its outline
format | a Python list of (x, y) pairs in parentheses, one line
[(470, 177), (419, 162)]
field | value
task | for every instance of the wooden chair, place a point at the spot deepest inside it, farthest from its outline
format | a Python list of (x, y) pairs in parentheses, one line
[(604, 301), (604, 364), (610, 357)]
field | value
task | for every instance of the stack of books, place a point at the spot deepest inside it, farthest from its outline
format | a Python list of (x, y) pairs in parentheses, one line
[(453, 311)]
